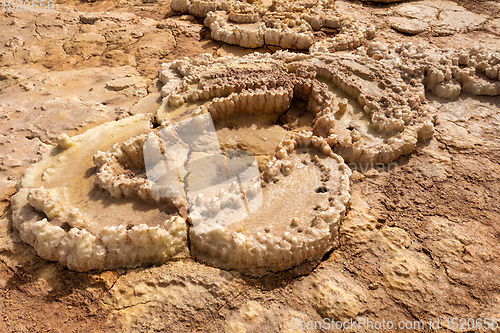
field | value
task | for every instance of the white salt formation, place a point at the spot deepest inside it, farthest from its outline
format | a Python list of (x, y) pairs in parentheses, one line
[(447, 73), (362, 107), (235, 223), (123, 194), (238, 225), (305, 193), (61, 213), (287, 24), (224, 86)]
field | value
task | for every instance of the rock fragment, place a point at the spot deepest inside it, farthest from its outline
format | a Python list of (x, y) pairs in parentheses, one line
[(408, 26)]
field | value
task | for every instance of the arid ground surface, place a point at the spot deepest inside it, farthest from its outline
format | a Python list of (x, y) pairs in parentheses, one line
[(420, 239)]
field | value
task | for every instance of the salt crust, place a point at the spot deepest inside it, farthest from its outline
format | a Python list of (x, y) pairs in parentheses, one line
[(130, 155), (59, 232), (391, 116), (387, 81), (79, 249), (447, 73), (287, 24), (265, 241), (220, 209), (261, 83), (219, 238)]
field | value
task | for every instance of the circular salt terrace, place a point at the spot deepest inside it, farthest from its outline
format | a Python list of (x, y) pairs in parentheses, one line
[(255, 187), (291, 24), (362, 107), (66, 217)]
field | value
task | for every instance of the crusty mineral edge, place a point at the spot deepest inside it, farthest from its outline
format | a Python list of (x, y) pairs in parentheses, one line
[(304, 231), (59, 211), (386, 117), (397, 117), (112, 164), (192, 83), (447, 73), (290, 227)]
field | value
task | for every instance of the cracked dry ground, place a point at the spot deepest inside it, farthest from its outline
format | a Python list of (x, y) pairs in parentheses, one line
[(419, 242)]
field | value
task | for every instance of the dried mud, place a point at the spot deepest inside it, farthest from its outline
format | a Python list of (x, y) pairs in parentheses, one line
[(419, 241)]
